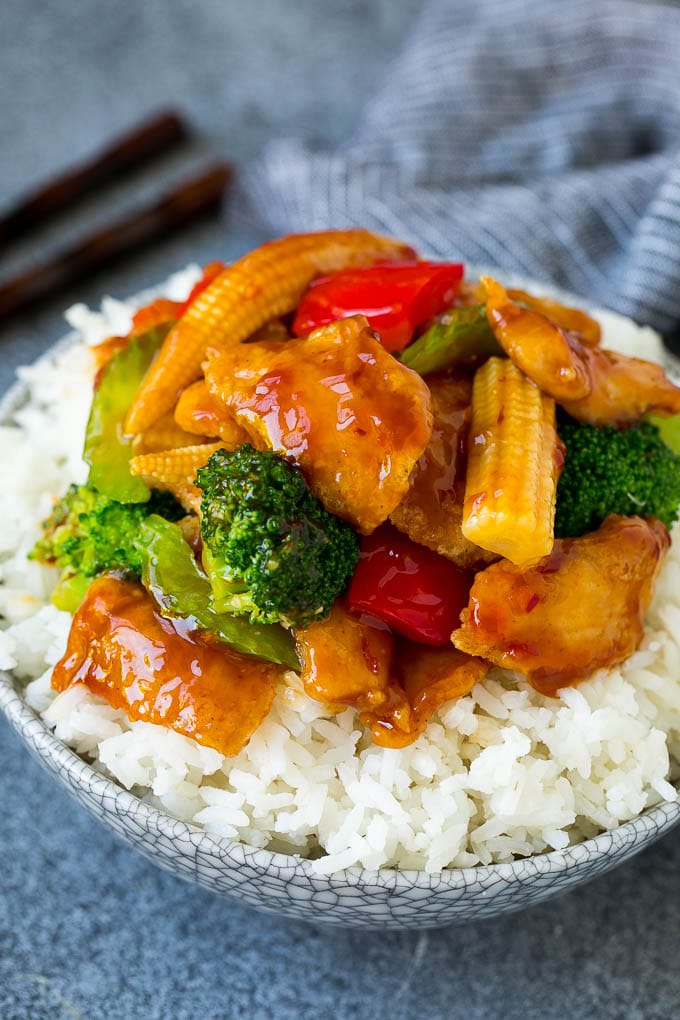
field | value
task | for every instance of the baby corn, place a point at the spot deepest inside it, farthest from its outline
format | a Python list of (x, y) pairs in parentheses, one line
[(175, 470), (263, 285), (164, 434), (513, 465)]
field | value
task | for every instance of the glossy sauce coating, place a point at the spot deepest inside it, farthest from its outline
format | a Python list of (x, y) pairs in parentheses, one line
[(593, 385), (537, 346), (573, 320), (346, 660), (158, 671), (353, 418), (350, 661), (580, 609), (431, 512), (198, 412), (622, 389), (429, 677)]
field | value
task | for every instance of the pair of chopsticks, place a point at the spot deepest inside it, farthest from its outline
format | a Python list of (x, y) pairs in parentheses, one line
[(184, 203)]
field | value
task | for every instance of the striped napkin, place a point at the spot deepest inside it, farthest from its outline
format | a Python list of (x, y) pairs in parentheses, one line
[(541, 136)]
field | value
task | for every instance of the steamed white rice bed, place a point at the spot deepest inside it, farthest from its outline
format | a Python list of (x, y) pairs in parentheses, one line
[(500, 773)]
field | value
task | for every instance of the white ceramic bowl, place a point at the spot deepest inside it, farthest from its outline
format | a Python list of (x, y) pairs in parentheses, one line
[(287, 884)]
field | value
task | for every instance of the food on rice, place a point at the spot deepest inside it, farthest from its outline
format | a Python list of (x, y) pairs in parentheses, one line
[(442, 758), (598, 586)]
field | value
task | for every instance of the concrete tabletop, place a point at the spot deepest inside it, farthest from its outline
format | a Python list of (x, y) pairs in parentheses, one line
[(88, 928)]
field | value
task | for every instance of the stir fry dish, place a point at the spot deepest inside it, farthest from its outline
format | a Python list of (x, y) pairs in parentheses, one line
[(339, 459)]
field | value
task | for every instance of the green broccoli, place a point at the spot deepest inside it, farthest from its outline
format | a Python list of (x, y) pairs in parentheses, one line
[(88, 534), (270, 549), (614, 471)]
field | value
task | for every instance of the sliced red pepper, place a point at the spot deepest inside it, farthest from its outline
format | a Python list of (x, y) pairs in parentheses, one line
[(412, 589), (210, 273), (396, 298)]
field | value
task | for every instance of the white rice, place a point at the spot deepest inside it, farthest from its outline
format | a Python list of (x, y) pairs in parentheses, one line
[(498, 774)]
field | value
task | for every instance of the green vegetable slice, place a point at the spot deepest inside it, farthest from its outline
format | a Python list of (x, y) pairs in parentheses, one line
[(180, 588), (459, 335), (70, 592), (669, 430), (107, 447)]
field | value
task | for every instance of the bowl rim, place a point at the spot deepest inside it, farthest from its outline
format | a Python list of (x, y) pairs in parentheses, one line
[(654, 821)]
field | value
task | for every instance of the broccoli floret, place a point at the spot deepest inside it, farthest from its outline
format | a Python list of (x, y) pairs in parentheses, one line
[(614, 471), (89, 534), (271, 550)]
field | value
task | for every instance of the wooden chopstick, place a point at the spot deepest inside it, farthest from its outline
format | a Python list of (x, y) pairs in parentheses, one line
[(151, 138), (183, 204)]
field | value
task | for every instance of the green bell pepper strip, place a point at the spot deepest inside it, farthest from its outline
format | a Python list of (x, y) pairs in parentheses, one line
[(70, 592), (460, 335), (669, 429), (180, 588), (107, 447)]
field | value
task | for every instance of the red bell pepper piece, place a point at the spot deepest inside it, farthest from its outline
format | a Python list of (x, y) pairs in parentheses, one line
[(210, 273), (395, 297), (412, 589)]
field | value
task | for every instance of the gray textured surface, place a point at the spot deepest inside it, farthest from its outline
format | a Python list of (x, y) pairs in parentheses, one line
[(88, 928)]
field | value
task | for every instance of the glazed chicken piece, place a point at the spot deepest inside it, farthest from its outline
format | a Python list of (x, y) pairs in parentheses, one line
[(580, 609), (541, 349), (160, 671), (622, 389), (265, 284), (429, 677), (346, 660), (198, 412), (576, 322), (336, 403), (593, 385), (431, 512)]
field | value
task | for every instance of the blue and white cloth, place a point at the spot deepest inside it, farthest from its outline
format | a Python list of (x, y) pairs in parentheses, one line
[(541, 136)]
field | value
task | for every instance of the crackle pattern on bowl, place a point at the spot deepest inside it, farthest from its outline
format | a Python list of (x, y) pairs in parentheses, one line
[(288, 885)]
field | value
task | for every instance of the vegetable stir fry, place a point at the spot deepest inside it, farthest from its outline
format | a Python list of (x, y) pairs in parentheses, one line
[(339, 459)]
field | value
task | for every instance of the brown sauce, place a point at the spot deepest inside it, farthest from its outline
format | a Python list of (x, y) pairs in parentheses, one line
[(573, 320), (158, 671), (423, 680), (580, 609), (199, 413), (339, 405), (431, 512), (395, 688)]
